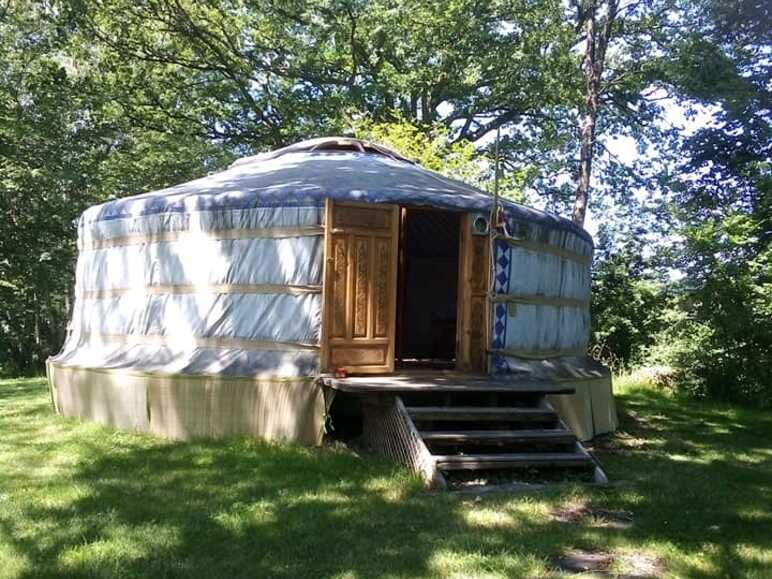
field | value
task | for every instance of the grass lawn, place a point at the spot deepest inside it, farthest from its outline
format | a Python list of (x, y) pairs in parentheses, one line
[(692, 498)]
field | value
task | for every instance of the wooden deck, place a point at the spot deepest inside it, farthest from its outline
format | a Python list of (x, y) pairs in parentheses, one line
[(440, 381), (443, 424)]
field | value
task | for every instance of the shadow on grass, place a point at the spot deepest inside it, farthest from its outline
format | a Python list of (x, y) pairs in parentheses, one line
[(86, 501), (131, 505), (700, 478)]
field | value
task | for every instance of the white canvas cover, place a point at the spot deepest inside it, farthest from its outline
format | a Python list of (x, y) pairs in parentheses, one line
[(193, 302), (223, 275)]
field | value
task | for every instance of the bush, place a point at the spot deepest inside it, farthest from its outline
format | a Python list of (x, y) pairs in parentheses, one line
[(720, 356), (626, 311)]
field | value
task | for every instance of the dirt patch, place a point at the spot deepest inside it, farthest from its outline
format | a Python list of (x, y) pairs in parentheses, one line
[(634, 565), (577, 561), (580, 513), (640, 565)]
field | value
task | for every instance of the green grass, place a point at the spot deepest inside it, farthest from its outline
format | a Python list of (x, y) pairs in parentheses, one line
[(79, 500)]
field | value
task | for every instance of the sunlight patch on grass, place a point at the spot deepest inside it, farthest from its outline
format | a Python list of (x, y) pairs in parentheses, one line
[(239, 517), (118, 545), (396, 486), (13, 562), (330, 497), (688, 458), (478, 565), (750, 456), (756, 514), (755, 554), (490, 519)]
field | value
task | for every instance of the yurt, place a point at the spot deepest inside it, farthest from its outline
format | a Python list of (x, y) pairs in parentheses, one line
[(243, 302)]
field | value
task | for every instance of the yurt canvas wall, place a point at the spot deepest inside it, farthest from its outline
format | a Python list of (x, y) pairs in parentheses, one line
[(199, 323), (541, 320)]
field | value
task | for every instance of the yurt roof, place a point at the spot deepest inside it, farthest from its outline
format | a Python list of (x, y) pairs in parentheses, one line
[(308, 172)]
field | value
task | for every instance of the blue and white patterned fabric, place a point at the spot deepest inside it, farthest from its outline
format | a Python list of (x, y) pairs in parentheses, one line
[(553, 263)]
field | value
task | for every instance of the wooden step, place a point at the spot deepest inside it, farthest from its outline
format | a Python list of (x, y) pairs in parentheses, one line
[(555, 436), (467, 413), (513, 460)]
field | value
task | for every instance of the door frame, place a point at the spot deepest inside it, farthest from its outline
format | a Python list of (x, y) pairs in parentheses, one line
[(473, 322), (474, 270)]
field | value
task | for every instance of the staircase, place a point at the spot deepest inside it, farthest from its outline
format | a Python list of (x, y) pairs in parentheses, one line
[(454, 428), (486, 431)]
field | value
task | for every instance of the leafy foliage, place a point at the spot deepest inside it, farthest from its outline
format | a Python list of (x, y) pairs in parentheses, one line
[(626, 311), (63, 147), (722, 335)]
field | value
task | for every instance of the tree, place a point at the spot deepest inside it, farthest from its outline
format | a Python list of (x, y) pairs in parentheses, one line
[(596, 19), (435, 150), (722, 341), (107, 98), (63, 147)]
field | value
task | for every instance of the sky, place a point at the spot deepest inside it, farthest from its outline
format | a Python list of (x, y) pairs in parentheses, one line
[(626, 150)]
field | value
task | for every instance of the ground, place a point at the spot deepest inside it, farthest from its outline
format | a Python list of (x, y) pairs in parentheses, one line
[(692, 497)]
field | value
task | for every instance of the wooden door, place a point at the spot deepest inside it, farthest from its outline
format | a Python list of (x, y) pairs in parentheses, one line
[(360, 287), (472, 321)]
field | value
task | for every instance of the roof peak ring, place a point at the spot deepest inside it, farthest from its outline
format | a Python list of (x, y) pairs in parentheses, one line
[(328, 144)]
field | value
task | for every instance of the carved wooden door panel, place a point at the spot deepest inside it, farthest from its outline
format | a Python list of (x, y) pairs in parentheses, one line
[(360, 287), (474, 268)]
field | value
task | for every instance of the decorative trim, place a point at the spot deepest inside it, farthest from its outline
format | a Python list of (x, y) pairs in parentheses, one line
[(224, 343), (158, 237), (202, 289), (539, 300), (503, 270), (545, 248)]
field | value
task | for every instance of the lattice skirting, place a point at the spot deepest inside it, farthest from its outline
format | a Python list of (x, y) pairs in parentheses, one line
[(389, 431)]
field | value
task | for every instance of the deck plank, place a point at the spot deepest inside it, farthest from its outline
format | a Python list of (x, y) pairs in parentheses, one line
[(551, 435), (442, 382)]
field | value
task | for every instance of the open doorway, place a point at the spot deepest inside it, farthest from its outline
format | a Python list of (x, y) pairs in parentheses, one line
[(427, 288)]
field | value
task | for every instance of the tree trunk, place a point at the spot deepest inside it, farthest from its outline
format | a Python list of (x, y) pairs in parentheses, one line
[(587, 133), (598, 30)]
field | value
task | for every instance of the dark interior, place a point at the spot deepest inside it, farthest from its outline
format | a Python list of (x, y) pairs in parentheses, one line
[(428, 288)]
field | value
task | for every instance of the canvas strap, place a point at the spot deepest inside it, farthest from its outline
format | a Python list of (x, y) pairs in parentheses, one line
[(223, 288), (539, 300), (542, 247), (156, 237), (193, 342), (544, 355)]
